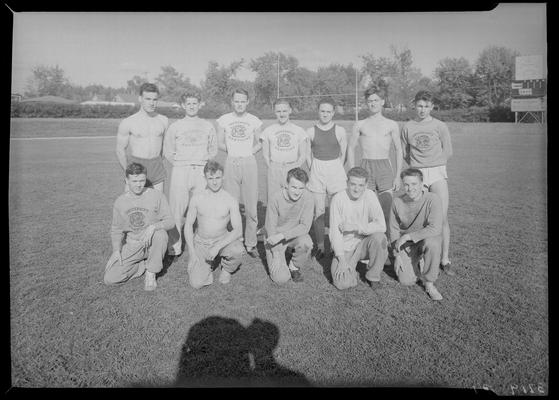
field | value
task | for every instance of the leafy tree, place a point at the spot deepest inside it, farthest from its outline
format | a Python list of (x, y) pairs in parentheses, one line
[(266, 81), (455, 81), (219, 82), (133, 85), (47, 81), (494, 70), (336, 79), (173, 84)]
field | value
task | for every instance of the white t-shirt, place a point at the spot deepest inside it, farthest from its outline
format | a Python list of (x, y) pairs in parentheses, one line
[(191, 141), (284, 141), (239, 133)]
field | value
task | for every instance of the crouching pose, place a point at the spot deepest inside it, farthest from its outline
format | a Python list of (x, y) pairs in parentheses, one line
[(213, 209), (416, 233), (357, 232), (288, 222), (141, 219)]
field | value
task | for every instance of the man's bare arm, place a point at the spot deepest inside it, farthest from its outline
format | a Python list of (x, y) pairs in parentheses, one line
[(343, 145), (352, 144), (221, 138), (169, 145), (188, 231), (236, 223), (256, 148), (395, 133), (266, 152), (122, 139)]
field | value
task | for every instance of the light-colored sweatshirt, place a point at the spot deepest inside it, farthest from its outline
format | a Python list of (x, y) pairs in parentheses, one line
[(420, 219), (426, 144), (133, 214), (366, 212), (292, 218)]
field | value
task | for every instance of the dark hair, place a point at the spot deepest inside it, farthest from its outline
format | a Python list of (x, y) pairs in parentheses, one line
[(358, 172), (282, 101), (297, 173), (212, 167), (424, 95), (239, 91), (412, 172), (379, 91), (327, 100), (148, 87), (193, 95), (135, 169)]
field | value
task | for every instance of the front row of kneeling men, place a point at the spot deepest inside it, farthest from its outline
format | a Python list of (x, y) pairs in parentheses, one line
[(141, 219)]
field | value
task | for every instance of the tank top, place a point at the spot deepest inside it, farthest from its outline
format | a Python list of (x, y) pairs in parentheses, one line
[(325, 144)]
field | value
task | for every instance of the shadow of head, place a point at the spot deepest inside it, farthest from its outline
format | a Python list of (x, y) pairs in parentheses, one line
[(221, 352)]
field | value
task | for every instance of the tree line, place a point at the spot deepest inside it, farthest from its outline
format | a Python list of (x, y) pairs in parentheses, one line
[(456, 82)]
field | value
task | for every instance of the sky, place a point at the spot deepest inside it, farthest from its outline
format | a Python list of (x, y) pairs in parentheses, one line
[(109, 48)]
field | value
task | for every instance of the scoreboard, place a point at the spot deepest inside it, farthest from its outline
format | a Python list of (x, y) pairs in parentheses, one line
[(529, 88)]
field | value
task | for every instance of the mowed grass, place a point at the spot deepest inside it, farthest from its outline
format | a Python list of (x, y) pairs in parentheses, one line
[(70, 330)]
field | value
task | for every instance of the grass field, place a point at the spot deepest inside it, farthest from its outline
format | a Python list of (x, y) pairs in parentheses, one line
[(70, 330)]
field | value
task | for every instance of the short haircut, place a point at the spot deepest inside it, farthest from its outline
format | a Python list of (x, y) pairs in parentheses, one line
[(239, 91), (192, 95), (135, 169), (297, 173), (412, 172), (148, 87), (282, 101), (327, 100), (424, 95), (358, 172), (212, 167), (379, 91)]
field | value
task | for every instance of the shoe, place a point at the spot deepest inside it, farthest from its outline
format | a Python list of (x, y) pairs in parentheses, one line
[(447, 269), (150, 283), (375, 285), (252, 251), (433, 292), (296, 276), (224, 277)]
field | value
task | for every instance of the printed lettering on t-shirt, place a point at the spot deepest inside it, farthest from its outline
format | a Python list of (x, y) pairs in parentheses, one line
[(284, 141), (191, 137), (239, 131), (425, 140), (137, 216)]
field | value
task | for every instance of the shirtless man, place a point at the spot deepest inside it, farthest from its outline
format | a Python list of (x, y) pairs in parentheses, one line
[(213, 209), (238, 135), (325, 157), (375, 135), (142, 133), (189, 143)]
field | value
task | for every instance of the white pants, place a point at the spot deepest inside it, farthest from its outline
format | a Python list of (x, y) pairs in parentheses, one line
[(185, 181)]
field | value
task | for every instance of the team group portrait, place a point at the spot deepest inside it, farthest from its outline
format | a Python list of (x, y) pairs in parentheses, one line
[(284, 202)]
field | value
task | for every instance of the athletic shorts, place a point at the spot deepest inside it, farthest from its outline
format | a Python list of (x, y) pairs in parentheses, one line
[(155, 169), (433, 174), (381, 176), (327, 176)]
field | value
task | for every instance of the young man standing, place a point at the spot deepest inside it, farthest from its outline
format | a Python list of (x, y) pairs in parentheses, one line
[(283, 146), (238, 136), (415, 229), (189, 143), (357, 232), (427, 147), (288, 222), (213, 209), (326, 158), (142, 133), (375, 135), (141, 219)]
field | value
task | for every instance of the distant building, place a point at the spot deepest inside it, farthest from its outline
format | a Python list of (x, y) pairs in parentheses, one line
[(48, 99), (16, 97)]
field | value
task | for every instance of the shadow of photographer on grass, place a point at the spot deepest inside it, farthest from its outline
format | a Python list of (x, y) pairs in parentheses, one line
[(221, 352)]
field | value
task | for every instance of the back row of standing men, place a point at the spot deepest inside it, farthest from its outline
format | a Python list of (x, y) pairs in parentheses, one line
[(189, 143)]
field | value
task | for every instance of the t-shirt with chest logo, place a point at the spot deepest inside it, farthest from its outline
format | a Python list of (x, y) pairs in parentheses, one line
[(132, 214), (284, 141), (191, 141), (426, 144), (239, 133)]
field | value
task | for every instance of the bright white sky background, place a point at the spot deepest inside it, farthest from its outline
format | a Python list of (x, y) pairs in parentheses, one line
[(110, 48)]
